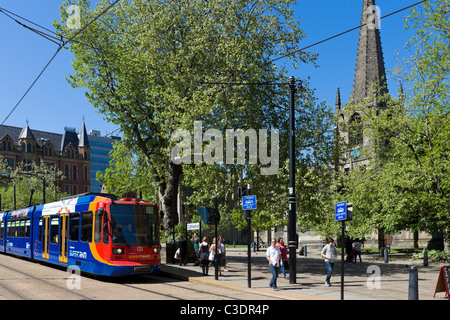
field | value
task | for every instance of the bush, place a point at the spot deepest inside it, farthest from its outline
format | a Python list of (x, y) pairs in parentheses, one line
[(434, 255)]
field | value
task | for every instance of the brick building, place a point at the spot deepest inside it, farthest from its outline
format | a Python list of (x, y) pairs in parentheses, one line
[(68, 152)]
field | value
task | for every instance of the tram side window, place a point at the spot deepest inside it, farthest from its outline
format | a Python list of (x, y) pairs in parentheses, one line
[(27, 228), (86, 226), (16, 224), (40, 230), (12, 225), (54, 222), (98, 227), (101, 223), (22, 228), (15, 229), (74, 223), (8, 228), (2, 229)]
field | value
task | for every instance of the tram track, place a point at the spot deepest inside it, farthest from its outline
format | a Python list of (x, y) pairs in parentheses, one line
[(14, 292), (47, 283), (22, 279)]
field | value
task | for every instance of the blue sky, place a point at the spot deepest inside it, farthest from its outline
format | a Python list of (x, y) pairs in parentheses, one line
[(52, 104)]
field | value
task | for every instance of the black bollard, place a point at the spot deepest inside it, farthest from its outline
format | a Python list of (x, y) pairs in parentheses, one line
[(386, 257), (413, 293), (425, 258), (305, 252)]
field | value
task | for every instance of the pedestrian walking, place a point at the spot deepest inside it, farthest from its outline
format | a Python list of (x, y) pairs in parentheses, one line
[(273, 255), (204, 256), (196, 243), (215, 249), (357, 247), (329, 253), (223, 258), (182, 245), (283, 250)]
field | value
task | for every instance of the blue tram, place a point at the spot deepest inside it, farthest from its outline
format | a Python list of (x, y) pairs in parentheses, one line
[(96, 233)]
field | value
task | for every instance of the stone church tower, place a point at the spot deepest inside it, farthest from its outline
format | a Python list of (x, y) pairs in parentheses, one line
[(369, 73)]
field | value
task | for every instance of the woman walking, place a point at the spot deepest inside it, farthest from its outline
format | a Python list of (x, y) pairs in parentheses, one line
[(215, 249), (204, 254), (284, 257)]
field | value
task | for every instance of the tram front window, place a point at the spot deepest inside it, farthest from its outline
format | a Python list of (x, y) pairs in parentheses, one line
[(134, 225)]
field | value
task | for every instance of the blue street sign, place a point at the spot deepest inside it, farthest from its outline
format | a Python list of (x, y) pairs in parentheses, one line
[(340, 211), (249, 203)]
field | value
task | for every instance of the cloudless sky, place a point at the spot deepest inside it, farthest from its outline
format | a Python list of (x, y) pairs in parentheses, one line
[(53, 104)]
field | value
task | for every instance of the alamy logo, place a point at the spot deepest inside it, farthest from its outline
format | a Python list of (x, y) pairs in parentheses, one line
[(74, 280), (212, 152), (374, 280), (74, 18), (373, 17)]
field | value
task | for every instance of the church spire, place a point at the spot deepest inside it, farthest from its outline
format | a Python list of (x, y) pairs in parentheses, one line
[(83, 139), (338, 100), (369, 61)]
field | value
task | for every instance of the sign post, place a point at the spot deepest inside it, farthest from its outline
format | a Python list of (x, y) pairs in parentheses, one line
[(343, 212), (249, 204)]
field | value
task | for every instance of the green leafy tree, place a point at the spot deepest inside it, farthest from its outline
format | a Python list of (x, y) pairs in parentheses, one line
[(156, 66), (29, 181), (127, 173), (406, 184)]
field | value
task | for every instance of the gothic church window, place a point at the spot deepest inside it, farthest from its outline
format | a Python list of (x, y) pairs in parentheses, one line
[(355, 136)]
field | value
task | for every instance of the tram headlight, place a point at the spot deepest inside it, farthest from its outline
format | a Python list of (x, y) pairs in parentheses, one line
[(156, 250), (118, 251)]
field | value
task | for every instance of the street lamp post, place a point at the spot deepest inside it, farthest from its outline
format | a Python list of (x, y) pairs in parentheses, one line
[(292, 236)]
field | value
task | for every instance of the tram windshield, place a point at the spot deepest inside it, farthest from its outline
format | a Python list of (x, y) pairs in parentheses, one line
[(134, 225)]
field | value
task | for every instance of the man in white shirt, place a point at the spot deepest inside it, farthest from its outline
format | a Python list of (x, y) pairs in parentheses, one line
[(329, 253), (273, 254)]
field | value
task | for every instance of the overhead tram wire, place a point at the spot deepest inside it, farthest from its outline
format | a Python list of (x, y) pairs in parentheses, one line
[(49, 35), (4, 11), (60, 46), (201, 83), (307, 47), (345, 32)]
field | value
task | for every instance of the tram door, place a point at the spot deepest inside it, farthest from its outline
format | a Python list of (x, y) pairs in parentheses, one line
[(63, 234), (46, 234)]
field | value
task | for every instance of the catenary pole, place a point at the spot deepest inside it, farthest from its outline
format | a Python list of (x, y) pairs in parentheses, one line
[(292, 236)]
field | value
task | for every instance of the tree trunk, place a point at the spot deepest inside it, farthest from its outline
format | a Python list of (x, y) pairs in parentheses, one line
[(446, 241), (416, 239), (168, 193), (381, 242)]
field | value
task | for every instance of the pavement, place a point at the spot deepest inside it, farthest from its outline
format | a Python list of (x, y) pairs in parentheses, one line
[(373, 279)]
